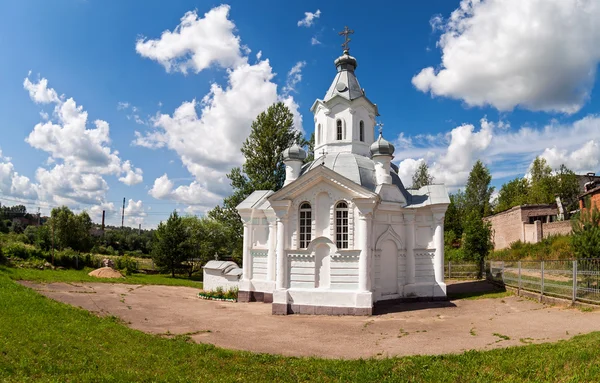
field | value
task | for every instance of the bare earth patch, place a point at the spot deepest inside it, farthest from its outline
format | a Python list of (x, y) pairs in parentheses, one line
[(401, 329)]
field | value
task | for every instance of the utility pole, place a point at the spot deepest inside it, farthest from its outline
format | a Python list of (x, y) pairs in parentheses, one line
[(123, 213), (52, 241), (103, 216), (140, 230)]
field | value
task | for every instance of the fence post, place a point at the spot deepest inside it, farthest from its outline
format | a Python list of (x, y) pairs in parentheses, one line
[(519, 265), (542, 285), (449, 269), (574, 281)]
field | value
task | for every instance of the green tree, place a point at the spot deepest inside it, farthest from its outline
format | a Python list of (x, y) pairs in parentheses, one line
[(62, 222), (271, 133), (206, 237), (477, 241), (543, 184), (421, 176), (586, 233), (511, 194), (478, 190), (309, 146), (170, 247), (453, 221), (567, 188)]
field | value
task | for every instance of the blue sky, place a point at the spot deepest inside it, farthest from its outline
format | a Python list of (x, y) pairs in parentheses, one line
[(455, 81)]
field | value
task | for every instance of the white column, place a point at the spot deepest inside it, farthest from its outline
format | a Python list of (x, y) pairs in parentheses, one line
[(246, 256), (438, 240), (363, 245), (409, 226), (281, 261), (271, 253)]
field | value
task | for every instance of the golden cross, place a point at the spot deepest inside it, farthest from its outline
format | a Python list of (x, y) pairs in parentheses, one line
[(345, 33)]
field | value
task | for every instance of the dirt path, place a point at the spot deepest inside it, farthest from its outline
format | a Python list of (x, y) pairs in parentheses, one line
[(406, 329)]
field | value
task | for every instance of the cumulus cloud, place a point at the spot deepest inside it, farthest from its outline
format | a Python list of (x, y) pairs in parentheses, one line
[(81, 155), (507, 152), (207, 134), (135, 212), (13, 184), (309, 18), (196, 43), (540, 55)]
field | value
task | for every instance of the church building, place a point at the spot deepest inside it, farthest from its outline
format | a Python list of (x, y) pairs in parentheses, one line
[(343, 233)]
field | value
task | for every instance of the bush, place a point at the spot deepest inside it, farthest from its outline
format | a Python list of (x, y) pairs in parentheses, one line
[(553, 247), (70, 259), (2, 257), (126, 264), (21, 250)]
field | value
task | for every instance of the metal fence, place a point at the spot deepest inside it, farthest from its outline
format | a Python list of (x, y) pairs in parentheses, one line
[(578, 280), (461, 270)]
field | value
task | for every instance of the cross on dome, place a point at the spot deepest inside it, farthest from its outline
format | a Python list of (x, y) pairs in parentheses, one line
[(346, 32), (380, 125)]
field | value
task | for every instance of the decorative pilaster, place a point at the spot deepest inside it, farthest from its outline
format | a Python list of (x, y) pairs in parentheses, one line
[(272, 243), (438, 240), (281, 209), (409, 227), (365, 214), (246, 258)]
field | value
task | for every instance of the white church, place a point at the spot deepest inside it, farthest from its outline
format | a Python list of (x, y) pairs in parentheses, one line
[(343, 233)]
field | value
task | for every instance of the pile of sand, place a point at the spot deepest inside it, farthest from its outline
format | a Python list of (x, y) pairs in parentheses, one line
[(105, 272)]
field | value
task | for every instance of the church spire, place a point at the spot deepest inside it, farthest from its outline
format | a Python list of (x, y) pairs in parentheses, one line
[(345, 83)]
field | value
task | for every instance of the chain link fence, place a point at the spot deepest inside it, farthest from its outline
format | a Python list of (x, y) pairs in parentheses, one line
[(578, 280)]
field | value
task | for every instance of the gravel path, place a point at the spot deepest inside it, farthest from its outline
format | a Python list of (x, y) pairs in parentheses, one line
[(403, 329)]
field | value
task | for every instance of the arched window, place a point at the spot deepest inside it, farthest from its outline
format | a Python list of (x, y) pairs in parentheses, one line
[(340, 132), (305, 224), (361, 131), (341, 225)]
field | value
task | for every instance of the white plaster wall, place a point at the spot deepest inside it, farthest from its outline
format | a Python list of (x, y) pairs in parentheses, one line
[(214, 278), (259, 265)]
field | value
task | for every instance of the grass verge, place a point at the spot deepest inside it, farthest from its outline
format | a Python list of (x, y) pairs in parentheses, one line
[(44, 340), (74, 276)]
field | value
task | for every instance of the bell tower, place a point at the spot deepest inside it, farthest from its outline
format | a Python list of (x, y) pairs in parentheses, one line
[(345, 118)]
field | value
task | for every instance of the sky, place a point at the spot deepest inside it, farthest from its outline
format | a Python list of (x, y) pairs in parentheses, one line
[(150, 101)]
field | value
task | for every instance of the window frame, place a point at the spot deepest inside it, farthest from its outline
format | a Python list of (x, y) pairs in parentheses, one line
[(304, 225), (342, 227), (361, 131), (339, 129)]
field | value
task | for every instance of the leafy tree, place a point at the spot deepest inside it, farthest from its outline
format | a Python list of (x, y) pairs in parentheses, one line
[(512, 193), (206, 237), (70, 230), (169, 249), (309, 146), (586, 233), (567, 188), (271, 133), (421, 176), (478, 190), (477, 241), (543, 184), (453, 221)]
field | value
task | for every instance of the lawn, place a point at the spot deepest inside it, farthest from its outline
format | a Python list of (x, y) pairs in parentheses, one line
[(44, 340), (74, 276)]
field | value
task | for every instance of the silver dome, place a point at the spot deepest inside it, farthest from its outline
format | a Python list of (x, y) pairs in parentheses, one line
[(382, 147), (295, 152)]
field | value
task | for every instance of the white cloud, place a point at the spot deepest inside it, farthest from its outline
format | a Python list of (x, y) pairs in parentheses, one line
[(12, 184), (133, 176), (309, 18), (196, 43), (294, 76), (81, 156), (208, 134), (536, 54), (135, 212), (507, 152), (314, 41)]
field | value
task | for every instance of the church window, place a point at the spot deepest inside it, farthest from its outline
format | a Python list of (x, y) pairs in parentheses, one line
[(339, 130), (319, 134), (341, 225), (361, 132), (305, 225)]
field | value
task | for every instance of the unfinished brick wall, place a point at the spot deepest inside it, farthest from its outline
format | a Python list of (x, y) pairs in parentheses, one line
[(507, 227), (556, 228)]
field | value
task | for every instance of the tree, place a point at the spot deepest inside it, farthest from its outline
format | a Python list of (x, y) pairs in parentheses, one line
[(567, 188), (543, 184), (453, 221), (477, 241), (62, 221), (169, 249), (478, 190), (586, 233), (206, 237), (511, 194), (309, 146), (421, 176), (271, 133)]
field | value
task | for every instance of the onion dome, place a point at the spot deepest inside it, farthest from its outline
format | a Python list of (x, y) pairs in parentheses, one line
[(345, 62), (382, 147), (295, 152)]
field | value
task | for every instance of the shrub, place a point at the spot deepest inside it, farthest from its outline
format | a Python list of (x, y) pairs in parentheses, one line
[(126, 264), (2, 257), (21, 250), (70, 259)]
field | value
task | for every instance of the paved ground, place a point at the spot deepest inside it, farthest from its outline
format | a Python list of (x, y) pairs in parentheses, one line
[(403, 329)]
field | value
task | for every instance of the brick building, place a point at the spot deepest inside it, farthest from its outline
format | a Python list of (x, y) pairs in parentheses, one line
[(526, 223), (590, 198)]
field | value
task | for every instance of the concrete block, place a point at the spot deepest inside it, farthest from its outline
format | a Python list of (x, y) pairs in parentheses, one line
[(244, 296), (279, 309)]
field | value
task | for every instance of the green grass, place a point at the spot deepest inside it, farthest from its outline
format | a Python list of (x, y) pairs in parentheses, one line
[(74, 276), (44, 340)]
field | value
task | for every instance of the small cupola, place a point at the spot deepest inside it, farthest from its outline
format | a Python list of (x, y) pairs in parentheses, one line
[(293, 158), (382, 147)]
